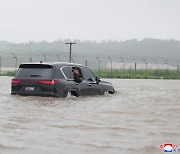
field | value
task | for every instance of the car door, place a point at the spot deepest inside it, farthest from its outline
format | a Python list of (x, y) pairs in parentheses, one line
[(69, 75), (93, 88), (83, 86)]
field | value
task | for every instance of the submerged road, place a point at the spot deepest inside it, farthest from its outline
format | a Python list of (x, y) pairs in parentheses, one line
[(137, 119)]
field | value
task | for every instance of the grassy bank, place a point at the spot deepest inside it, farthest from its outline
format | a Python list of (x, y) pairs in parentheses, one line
[(139, 74), (128, 74), (8, 73)]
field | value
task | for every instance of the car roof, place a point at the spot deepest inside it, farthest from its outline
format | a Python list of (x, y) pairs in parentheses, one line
[(57, 64)]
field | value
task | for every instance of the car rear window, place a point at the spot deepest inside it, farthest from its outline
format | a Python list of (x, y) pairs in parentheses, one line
[(35, 71)]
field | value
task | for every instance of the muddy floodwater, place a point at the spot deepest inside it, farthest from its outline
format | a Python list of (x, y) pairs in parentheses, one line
[(142, 115)]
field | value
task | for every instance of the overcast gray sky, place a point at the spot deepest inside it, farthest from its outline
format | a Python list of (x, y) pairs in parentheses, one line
[(49, 20)]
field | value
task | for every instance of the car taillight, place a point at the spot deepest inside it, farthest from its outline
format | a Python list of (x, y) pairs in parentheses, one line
[(14, 81), (50, 82)]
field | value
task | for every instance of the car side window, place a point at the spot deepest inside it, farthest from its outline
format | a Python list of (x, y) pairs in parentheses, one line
[(88, 75), (68, 72)]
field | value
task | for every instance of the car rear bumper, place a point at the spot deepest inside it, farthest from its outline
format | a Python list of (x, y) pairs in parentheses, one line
[(43, 94), (30, 94)]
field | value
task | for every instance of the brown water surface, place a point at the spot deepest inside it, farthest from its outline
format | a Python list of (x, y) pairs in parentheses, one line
[(137, 119)]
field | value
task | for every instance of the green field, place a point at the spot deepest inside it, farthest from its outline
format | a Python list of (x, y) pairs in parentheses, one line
[(128, 74), (7, 73), (139, 74)]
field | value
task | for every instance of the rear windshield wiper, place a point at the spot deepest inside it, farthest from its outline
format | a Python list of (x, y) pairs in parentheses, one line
[(34, 75)]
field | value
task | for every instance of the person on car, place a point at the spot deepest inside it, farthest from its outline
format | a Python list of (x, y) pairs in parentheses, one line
[(77, 75)]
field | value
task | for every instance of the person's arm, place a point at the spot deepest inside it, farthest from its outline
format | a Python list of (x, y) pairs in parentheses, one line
[(77, 79)]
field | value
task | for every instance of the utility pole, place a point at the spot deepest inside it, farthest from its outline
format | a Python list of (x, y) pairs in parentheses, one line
[(99, 64), (14, 56), (111, 65), (70, 45)]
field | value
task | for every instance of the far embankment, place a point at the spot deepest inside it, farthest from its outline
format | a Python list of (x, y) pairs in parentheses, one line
[(126, 74), (139, 74)]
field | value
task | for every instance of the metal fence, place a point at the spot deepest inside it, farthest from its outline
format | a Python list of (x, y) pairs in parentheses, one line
[(11, 60)]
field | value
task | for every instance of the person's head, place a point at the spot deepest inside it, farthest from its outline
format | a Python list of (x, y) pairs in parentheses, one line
[(76, 70)]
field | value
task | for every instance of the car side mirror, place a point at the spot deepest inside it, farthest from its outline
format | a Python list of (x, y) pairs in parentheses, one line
[(98, 79), (90, 79)]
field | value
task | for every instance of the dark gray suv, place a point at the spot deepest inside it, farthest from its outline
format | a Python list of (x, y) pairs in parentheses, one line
[(57, 79)]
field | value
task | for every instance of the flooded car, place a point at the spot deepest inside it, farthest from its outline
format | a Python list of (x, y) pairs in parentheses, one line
[(57, 79)]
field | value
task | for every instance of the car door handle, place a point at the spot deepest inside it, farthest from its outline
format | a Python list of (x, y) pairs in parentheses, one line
[(76, 83), (89, 84)]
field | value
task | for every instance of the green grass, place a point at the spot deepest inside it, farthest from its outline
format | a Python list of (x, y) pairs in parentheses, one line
[(8, 73), (128, 74), (139, 74)]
